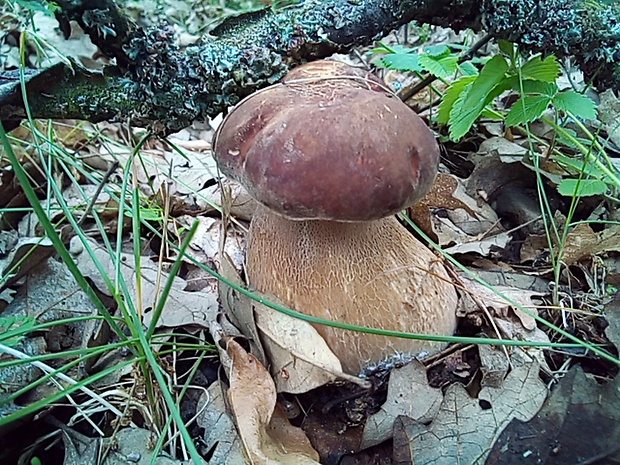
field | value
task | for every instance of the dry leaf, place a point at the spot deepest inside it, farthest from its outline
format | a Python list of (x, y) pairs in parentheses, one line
[(579, 422), (449, 214), (408, 394), (500, 305), (24, 255), (205, 245), (182, 308), (220, 435), (240, 308), (465, 428), (252, 398), (582, 242), (494, 365), (299, 357)]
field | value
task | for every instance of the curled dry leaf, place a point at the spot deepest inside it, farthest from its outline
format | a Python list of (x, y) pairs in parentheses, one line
[(252, 397), (300, 359), (451, 216)]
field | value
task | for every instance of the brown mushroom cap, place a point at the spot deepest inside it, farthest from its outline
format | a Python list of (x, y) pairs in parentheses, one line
[(329, 142)]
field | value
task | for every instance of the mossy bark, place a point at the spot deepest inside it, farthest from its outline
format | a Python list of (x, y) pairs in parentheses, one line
[(157, 85)]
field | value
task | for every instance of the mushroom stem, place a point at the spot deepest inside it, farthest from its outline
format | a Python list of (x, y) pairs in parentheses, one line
[(372, 273)]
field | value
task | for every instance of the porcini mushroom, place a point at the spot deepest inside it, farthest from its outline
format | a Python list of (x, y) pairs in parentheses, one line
[(332, 155)]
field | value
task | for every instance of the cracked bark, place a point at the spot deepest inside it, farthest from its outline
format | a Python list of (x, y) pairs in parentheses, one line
[(157, 85)]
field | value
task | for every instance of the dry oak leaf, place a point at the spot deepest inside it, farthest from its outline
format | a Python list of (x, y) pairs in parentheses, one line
[(465, 429)]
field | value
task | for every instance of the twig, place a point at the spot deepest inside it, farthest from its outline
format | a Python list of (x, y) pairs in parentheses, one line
[(100, 187)]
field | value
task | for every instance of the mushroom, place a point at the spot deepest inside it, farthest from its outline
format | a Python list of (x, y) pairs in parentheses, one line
[(331, 155)]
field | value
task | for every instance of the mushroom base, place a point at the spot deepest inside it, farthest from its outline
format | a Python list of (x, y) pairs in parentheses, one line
[(371, 274)]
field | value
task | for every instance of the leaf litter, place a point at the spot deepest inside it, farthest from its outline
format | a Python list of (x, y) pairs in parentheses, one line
[(489, 219)]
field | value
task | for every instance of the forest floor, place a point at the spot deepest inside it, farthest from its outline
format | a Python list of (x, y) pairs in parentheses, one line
[(164, 338)]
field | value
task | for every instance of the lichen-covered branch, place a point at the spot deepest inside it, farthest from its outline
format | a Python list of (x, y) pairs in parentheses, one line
[(156, 84), (588, 30), (106, 25)]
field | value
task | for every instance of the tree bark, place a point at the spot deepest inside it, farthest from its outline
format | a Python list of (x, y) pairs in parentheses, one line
[(156, 84)]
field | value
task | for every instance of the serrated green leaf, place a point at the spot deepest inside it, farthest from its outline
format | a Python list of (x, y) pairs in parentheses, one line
[(527, 108), (546, 70), (400, 62), (449, 97), (443, 67), (581, 187), (531, 86), (468, 68), (437, 51), (472, 100), (575, 103), (579, 166)]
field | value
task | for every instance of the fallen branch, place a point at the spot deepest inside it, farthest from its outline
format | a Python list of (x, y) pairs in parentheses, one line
[(156, 84)]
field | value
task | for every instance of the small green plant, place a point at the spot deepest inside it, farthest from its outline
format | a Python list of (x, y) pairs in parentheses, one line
[(533, 80), (441, 61)]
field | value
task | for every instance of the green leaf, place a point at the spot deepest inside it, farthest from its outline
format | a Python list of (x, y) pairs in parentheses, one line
[(506, 47), (546, 70), (384, 48), (437, 51), (579, 166), (43, 6), (527, 108), (581, 187), (443, 66), (400, 61), (472, 100), (468, 68), (531, 86), (450, 96), (575, 103)]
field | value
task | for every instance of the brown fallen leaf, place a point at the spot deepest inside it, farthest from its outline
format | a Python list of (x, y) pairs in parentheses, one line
[(220, 435), (582, 242), (299, 357), (182, 308), (448, 214), (267, 439), (500, 305)]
